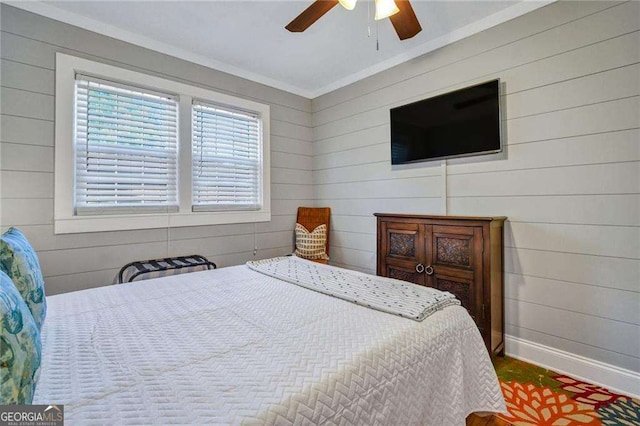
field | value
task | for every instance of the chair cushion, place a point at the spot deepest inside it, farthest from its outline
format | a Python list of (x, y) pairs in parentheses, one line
[(20, 346), (20, 262), (311, 245)]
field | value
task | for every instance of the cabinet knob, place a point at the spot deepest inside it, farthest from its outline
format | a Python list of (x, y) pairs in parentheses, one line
[(428, 270), (419, 268)]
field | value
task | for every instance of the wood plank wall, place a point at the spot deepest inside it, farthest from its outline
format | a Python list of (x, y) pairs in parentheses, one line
[(570, 182), (71, 262)]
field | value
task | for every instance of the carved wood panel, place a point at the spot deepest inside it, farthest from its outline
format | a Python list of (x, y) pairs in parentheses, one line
[(401, 244), (461, 290), (453, 251), (404, 275), (465, 292)]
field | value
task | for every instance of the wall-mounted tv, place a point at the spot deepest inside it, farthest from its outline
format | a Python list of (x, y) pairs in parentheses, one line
[(456, 124)]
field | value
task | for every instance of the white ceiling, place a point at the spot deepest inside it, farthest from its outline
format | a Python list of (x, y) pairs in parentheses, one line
[(247, 38)]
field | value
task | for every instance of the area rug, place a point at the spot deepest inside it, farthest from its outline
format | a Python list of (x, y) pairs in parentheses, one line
[(536, 396)]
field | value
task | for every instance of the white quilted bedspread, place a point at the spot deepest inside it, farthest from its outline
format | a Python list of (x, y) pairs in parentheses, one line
[(384, 294), (234, 346)]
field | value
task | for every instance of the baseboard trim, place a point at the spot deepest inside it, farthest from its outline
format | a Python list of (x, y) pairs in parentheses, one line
[(617, 379)]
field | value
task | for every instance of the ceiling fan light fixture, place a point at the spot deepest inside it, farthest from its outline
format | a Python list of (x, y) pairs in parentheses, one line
[(385, 8), (348, 4)]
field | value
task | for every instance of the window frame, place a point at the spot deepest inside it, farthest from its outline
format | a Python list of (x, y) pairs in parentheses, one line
[(65, 219)]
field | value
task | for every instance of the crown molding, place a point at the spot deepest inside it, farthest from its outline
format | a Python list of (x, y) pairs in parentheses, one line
[(493, 20), (52, 12), (90, 24)]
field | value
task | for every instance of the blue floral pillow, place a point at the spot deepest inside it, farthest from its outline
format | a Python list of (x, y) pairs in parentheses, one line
[(20, 347), (20, 262)]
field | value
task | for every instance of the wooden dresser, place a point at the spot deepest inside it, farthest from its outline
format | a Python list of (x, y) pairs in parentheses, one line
[(462, 255)]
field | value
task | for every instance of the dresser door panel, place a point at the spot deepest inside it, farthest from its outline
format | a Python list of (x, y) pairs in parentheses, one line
[(464, 289), (456, 257), (404, 241), (454, 246), (403, 251), (404, 273)]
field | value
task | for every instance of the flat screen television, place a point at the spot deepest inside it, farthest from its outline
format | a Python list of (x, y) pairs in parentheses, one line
[(456, 124)]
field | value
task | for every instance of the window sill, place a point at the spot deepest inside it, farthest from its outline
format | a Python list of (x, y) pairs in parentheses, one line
[(80, 224)]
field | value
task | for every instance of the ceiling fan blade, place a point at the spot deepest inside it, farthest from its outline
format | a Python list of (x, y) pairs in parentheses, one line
[(405, 22), (311, 15)]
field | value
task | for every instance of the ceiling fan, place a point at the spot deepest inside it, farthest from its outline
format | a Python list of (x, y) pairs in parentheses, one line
[(400, 12)]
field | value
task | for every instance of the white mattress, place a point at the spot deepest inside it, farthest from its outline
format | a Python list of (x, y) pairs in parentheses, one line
[(234, 346)]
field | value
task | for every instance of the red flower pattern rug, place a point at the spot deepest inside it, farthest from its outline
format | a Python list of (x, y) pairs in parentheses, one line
[(536, 396)]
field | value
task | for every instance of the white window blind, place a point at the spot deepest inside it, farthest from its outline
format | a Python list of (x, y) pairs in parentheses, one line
[(126, 148), (227, 158)]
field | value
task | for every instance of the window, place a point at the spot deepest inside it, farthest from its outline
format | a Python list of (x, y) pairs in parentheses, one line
[(136, 151), (226, 158), (126, 144)]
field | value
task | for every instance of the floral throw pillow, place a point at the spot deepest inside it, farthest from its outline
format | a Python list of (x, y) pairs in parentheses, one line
[(311, 245), (20, 347), (20, 262)]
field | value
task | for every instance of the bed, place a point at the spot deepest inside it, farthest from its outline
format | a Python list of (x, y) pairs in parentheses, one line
[(236, 346)]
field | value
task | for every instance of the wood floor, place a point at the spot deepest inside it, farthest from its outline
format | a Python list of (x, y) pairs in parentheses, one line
[(491, 420)]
